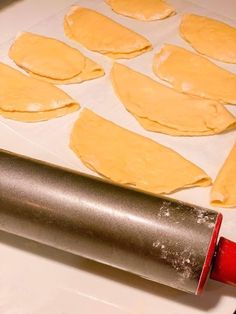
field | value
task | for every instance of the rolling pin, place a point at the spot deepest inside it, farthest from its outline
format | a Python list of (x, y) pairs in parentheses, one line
[(157, 238)]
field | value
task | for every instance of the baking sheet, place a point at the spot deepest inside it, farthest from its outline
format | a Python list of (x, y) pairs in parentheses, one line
[(49, 141)]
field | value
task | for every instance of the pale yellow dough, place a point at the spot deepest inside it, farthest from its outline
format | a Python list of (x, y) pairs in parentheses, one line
[(131, 159), (101, 34), (210, 37), (223, 192), (193, 74), (161, 109), (144, 10), (27, 99), (51, 60), (40, 115)]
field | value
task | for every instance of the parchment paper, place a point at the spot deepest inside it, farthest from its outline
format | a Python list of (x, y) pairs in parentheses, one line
[(50, 139)]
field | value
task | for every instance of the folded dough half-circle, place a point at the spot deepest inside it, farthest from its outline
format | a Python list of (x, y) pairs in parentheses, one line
[(30, 99), (131, 159), (161, 109), (143, 10), (101, 34), (52, 60), (223, 193), (191, 73), (210, 37)]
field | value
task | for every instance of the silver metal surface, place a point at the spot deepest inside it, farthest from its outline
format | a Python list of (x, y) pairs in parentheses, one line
[(154, 237)]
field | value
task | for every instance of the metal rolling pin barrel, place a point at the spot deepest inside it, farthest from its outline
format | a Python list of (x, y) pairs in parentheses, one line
[(157, 238)]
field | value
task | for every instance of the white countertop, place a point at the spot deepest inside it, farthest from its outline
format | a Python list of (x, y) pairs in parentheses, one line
[(35, 279)]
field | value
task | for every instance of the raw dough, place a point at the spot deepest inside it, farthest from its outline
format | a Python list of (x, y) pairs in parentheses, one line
[(144, 10), (131, 159), (223, 192), (162, 109), (156, 127), (39, 116), (193, 74), (99, 33), (210, 37), (51, 60), (27, 99)]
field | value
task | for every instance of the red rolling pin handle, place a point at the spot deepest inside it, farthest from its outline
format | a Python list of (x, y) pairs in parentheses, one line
[(224, 264)]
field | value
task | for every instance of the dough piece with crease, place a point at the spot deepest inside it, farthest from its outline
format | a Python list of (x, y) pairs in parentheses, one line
[(52, 60), (101, 34), (223, 193), (193, 74), (159, 108), (148, 10), (131, 159), (40, 115), (27, 99), (210, 37)]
